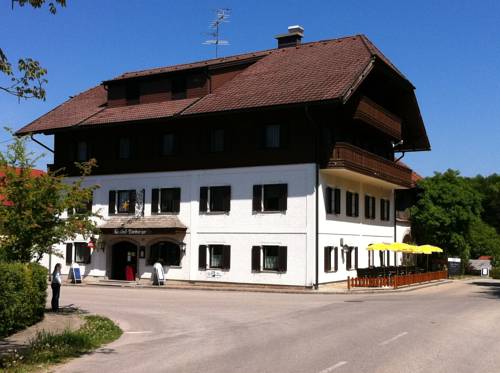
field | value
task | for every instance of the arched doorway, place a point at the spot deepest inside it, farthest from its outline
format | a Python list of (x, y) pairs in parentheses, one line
[(124, 261)]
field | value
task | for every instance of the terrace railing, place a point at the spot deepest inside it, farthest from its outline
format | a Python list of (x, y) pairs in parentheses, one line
[(396, 280)]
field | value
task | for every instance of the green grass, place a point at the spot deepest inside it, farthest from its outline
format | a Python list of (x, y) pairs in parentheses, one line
[(47, 348)]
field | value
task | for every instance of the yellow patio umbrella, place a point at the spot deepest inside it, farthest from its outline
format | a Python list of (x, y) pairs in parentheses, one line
[(402, 247), (430, 248), (379, 246)]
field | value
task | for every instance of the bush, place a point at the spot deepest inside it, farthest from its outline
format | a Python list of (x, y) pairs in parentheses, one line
[(23, 293), (48, 348), (495, 273)]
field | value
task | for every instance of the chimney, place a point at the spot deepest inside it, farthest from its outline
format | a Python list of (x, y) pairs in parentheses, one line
[(292, 38)]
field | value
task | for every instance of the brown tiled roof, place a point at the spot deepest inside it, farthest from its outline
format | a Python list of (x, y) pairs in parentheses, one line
[(151, 110), (316, 71), (71, 112), (192, 65)]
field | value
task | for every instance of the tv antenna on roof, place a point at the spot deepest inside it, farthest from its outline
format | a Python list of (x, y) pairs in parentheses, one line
[(221, 16)]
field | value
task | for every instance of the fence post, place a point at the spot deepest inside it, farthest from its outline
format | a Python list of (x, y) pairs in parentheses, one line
[(348, 283)]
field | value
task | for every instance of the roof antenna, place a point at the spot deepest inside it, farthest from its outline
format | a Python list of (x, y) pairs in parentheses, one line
[(221, 16)]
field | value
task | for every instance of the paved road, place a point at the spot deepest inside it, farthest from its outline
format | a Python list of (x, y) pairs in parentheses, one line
[(448, 328)]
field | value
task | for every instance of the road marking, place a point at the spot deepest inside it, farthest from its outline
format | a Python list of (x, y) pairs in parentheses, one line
[(140, 332), (392, 339), (333, 367)]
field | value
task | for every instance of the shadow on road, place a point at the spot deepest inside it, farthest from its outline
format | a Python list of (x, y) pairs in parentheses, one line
[(489, 288)]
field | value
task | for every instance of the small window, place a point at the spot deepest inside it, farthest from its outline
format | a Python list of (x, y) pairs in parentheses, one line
[(274, 258), (215, 254), (271, 255), (331, 259), (82, 154), (385, 209), (82, 253), (270, 197), (272, 136), (165, 200), (352, 204), (351, 258), (369, 207), (124, 148), (371, 258), (179, 88), (168, 144), (333, 200), (85, 207), (219, 257), (122, 201), (132, 93), (165, 252), (217, 140), (215, 199)]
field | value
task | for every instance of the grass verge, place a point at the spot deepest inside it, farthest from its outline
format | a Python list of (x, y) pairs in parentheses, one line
[(47, 348)]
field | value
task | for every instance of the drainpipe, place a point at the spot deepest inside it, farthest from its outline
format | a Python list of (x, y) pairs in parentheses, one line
[(316, 202), (41, 144)]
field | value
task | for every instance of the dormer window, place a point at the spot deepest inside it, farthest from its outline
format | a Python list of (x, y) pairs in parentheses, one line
[(178, 88), (133, 93)]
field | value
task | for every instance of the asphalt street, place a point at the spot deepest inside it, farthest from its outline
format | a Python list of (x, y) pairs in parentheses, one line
[(448, 328)]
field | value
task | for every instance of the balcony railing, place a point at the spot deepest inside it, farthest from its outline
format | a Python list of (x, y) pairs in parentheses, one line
[(375, 115), (356, 159)]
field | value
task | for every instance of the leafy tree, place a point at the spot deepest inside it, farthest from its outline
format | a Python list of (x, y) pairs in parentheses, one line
[(27, 80), (489, 187), (32, 208), (484, 240), (446, 208)]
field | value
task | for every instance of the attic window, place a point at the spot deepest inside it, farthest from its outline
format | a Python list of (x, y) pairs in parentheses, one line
[(178, 88), (132, 93)]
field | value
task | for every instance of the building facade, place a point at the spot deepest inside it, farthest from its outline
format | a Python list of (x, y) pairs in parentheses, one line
[(274, 167)]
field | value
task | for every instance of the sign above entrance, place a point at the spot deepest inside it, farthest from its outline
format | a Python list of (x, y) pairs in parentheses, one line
[(131, 231)]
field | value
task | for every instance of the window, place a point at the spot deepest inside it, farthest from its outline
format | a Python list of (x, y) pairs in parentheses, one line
[(270, 197), (274, 258), (331, 259), (215, 199), (168, 144), (385, 258), (165, 200), (216, 140), (132, 93), (371, 258), (84, 208), (385, 209), (351, 253), (168, 253), (333, 200), (121, 201), (178, 88), (352, 204), (69, 253), (82, 153), (369, 207), (219, 257), (124, 148), (82, 253), (272, 136)]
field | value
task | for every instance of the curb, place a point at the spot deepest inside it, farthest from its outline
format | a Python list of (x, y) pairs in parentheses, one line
[(275, 291)]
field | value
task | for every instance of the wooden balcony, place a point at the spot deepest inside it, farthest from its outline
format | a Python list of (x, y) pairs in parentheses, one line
[(350, 157), (375, 115)]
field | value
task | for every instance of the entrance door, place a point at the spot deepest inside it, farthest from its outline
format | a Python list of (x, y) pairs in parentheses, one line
[(124, 261)]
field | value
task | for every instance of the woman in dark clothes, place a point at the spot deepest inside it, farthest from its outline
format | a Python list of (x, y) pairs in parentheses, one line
[(56, 287)]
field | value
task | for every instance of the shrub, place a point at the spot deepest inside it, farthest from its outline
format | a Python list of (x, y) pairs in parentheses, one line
[(495, 273), (23, 292)]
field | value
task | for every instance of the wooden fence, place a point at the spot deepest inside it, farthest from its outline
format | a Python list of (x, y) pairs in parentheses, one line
[(395, 281)]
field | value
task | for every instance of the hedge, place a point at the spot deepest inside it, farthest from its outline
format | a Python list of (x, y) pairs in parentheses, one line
[(23, 293), (495, 273)]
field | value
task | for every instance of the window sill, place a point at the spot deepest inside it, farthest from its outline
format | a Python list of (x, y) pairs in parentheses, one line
[(331, 271), (164, 213), (269, 271), (214, 213), (269, 212)]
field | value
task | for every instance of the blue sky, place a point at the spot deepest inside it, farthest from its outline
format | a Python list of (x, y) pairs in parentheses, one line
[(450, 50)]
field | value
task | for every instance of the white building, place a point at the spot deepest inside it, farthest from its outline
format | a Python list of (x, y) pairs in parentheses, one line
[(272, 167)]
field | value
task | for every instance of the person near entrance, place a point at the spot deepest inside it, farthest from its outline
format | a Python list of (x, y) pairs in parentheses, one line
[(55, 284)]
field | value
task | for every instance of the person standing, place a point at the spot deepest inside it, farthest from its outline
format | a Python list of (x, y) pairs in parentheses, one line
[(56, 287)]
